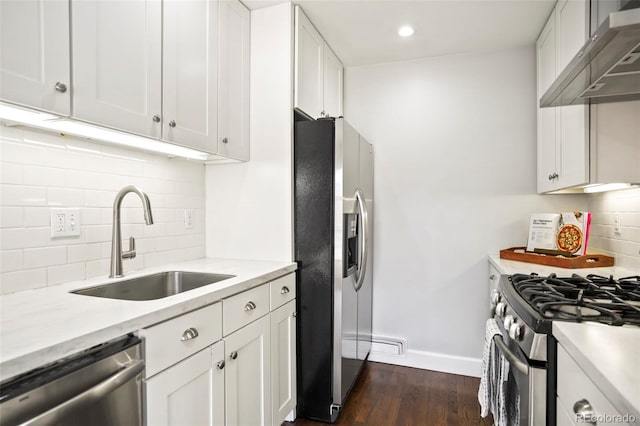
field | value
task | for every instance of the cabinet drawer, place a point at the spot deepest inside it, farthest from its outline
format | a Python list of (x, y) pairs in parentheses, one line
[(282, 290), (241, 309), (173, 340), (573, 386)]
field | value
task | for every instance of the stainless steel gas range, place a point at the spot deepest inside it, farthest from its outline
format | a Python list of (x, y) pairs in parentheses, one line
[(525, 307)]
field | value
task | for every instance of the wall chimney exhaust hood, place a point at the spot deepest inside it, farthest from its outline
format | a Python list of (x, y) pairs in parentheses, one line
[(607, 67)]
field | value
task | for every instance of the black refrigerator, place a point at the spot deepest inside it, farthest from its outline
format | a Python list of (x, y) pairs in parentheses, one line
[(333, 224)]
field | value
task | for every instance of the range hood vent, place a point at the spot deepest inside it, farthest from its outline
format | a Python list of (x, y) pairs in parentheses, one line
[(606, 69)]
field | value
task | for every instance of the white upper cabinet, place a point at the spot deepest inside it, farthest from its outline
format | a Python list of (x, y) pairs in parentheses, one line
[(573, 31), (117, 64), (333, 83), (233, 83), (309, 47), (318, 72), (546, 60), (34, 54), (563, 132), (190, 73)]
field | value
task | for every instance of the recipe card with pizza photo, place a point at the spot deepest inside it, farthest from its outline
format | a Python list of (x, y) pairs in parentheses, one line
[(568, 232)]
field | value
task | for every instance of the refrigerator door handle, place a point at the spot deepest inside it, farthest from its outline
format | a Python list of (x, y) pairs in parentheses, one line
[(364, 224)]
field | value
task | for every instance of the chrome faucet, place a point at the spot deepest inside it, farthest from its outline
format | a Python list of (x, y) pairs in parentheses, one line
[(116, 239)]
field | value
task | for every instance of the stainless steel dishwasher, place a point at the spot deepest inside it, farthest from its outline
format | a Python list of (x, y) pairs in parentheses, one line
[(100, 386)]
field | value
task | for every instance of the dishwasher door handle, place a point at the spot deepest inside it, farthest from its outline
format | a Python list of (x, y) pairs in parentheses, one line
[(92, 394)]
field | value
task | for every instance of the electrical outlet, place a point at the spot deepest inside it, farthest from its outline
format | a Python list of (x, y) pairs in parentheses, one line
[(65, 223), (188, 218), (617, 225)]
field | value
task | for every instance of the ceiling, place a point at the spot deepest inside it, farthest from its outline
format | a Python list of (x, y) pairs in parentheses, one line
[(365, 31)]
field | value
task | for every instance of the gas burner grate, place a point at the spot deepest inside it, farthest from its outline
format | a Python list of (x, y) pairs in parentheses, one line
[(576, 298)]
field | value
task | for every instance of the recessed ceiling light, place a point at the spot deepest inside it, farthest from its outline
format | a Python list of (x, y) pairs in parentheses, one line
[(405, 31)]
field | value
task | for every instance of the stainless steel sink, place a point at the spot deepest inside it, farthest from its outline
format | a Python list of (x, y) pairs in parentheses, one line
[(156, 286)]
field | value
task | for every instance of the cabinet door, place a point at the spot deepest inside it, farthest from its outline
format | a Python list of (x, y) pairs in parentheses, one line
[(248, 376), (546, 136), (308, 77), (233, 101), (189, 393), (283, 361), (34, 54), (190, 91), (333, 75), (573, 160), (116, 64)]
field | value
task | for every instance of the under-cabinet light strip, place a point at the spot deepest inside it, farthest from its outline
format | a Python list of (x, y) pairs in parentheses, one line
[(67, 126)]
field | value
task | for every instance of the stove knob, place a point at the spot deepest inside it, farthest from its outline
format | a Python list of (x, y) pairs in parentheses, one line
[(495, 297), (508, 321), (516, 331), (501, 309)]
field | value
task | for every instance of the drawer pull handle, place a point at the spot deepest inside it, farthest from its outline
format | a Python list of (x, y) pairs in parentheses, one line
[(189, 333), (284, 290), (249, 306), (220, 364), (585, 412), (233, 355)]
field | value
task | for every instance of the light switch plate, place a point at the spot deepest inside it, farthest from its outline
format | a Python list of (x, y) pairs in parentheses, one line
[(65, 223)]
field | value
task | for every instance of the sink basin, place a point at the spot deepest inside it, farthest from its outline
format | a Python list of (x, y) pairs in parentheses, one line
[(156, 286)]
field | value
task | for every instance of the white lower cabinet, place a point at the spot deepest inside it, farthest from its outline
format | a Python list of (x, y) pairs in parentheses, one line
[(579, 401), (248, 375), (190, 392), (201, 373), (283, 361)]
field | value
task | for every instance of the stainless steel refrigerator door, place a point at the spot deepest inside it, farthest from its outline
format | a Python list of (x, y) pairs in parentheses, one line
[(365, 293), (347, 175)]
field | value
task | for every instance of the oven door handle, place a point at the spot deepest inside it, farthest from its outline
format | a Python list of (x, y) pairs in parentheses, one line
[(90, 395), (510, 356)]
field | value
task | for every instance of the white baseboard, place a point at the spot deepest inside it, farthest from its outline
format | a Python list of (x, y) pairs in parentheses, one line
[(432, 361)]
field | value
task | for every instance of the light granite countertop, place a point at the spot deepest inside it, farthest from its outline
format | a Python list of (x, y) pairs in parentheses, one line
[(42, 325), (610, 358)]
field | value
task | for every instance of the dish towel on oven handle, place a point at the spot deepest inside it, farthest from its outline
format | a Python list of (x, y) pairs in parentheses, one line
[(496, 392)]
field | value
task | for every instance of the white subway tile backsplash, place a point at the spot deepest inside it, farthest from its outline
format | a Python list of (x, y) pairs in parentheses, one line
[(44, 176), (625, 245), (18, 238), (40, 171), (19, 195), (84, 252), (97, 233), (37, 216), (97, 198), (49, 256), (65, 273), (11, 173), (23, 280), (157, 258), (97, 268), (11, 260), (11, 217), (65, 197)]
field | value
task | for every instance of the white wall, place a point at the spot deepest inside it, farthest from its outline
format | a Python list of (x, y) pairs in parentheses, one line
[(624, 246), (455, 161), (42, 171), (249, 205)]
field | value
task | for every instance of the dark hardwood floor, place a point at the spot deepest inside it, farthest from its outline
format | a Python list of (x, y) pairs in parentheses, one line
[(392, 395)]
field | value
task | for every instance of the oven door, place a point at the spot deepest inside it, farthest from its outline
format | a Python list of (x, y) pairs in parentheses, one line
[(530, 382)]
